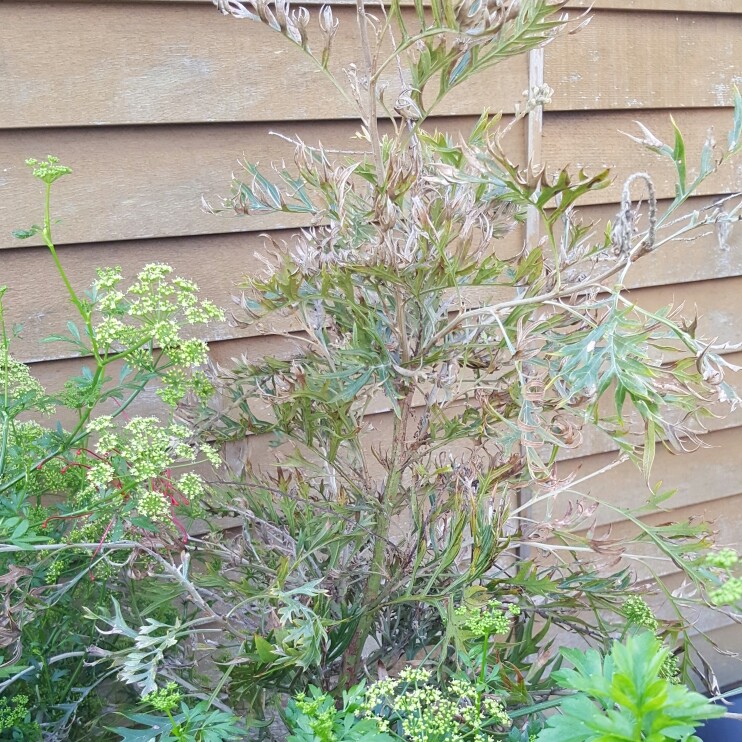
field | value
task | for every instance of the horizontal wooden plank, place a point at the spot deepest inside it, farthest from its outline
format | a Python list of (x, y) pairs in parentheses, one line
[(597, 140), (699, 478), (144, 182), (53, 373), (180, 64), (698, 256), (718, 304), (686, 6), (726, 292), (153, 64), (593, 441), (215, 263), (218, 262), (633, 60), (723, 517), (636, 6)]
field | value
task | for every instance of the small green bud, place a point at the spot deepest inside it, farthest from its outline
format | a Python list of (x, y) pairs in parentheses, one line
[(48, 170), (638, 613), (164, 699), (722, 559)]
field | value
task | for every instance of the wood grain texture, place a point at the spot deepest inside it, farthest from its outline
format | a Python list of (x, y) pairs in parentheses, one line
[(699, 478), (178, 63), (219, 262), (633, 60), (227, 353), (598, 140), (718, 305), (722, 517), (154, 64), (687, 6), (144, 182), (700, 258)]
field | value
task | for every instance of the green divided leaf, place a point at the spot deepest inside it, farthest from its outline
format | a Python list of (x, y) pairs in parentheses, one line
[(623, 698)]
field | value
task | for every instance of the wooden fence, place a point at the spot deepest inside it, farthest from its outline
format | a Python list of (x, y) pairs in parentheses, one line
[(152, 103)]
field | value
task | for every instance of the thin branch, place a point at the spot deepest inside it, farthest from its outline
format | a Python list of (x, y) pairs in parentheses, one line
[(31, 668), (372, 119)]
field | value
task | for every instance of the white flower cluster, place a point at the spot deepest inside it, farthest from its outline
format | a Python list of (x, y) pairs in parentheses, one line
[(456, 712), (47, 170), (150, 314), (20, 385), (492, 619), (154, 505), (536, 97), (135, 464)]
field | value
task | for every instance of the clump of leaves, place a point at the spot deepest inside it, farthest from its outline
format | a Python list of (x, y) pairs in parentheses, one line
[(189, 724), (314, 717), (624, 697)]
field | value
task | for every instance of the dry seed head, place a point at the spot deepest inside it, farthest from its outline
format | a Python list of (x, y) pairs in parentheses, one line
[(649, 140), (328, 26), (623, 229), (406, 107), (235, 9), (477, 17), (327, 22)]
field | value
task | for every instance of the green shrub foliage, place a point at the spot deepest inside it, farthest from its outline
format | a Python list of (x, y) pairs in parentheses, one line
[(366, 534)]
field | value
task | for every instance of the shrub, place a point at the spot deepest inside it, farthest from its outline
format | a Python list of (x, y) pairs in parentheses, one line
[(408, 550), (401, 296)]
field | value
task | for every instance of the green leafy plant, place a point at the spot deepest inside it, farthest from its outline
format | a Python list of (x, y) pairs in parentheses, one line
[(624, 697), (315, 718), (72, 500), (395, 510), (197, 724)]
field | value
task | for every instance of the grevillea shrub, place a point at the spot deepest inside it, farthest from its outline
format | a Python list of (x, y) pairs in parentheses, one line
[(384, 550), (402, 295)]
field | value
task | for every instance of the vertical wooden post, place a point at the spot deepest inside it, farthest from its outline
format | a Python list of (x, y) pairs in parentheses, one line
[(534, 137)]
